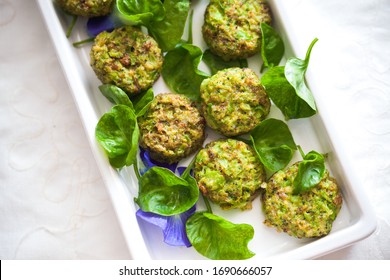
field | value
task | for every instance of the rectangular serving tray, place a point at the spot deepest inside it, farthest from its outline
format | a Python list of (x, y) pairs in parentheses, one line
[(355, 221)]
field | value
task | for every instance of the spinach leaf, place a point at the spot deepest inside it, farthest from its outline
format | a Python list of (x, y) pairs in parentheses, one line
[(216, 63), (310, 172), (138, 103), (118, 133), (272, 46), (162, 192), (274, 144), (180, 70), (281, 92), (286, 87), (115, 95), (218, 239), (134, 12), (295, 70), (169, 31), (165, 20), (142, 101)]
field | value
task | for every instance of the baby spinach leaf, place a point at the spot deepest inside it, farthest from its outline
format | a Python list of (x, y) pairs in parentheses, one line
[(281, 92), (118, 133), (218, 239), (138, 103), (295, 70), (165, 20), (180, 70), (134, 12), (142, 101), (162, 192), (189, 29), (311, 170), (169, 31), (272, 46), (274, 144), (115, 95), (216, 63)]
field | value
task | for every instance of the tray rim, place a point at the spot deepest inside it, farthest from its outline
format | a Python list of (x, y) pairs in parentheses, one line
[(360, 229)]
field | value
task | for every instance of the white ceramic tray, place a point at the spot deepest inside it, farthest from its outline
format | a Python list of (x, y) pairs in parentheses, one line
[(355, 221)]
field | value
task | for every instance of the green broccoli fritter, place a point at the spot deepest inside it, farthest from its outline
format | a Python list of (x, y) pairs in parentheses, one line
[(87, 8), (233, 101), (172, 128), (232, 27), (229, 173), (127, 58), (309, 214)]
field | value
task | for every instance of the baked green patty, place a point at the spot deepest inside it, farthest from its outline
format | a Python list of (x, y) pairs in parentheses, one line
[(233, 101), (309, 214), (229, 173), (172, 128), (87, 8), (127, 58), (231, 28)]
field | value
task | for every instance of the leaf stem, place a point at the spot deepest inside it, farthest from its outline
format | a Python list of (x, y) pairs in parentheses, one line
[(309, 50), (189, 167), (207, 203), (79, 43), (136, 169), (301, 151), (189, 38), (71, 26)]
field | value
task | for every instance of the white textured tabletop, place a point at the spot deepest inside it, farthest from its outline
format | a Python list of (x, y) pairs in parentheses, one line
[(53, 202)]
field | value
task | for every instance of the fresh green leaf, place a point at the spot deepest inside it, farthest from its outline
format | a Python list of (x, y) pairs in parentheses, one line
[(274, 143), (115, 95), (118, 133), (142, 101), (162, 192), (138, 103), (180, 70), (134, 12), (218, 239), (283, 94), (272, 46), (189, 28), (295, 71), (311, 170), (168, 32), (216, 63)]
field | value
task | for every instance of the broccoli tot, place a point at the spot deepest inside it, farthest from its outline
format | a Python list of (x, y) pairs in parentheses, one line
[(87, 8), (172, 128), (308, 214), (127, 58), (233, 101), (231, 28), (229, 173)]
